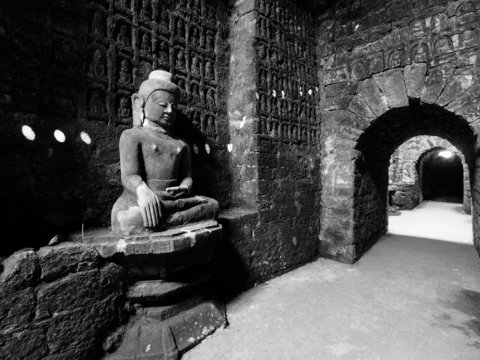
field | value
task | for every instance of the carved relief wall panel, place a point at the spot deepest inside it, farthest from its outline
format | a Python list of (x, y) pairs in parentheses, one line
[(393, 34), (287, 85), (130, 38)]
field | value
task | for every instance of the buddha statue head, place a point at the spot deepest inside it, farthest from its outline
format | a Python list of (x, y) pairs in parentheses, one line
[(155, 103)]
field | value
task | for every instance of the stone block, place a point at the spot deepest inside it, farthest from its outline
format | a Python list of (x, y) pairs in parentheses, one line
[(29, 344), (78, 334), (467, 105), (194, 325), (371, 93), (89, 287), (161, 292), (415, 79), (392, 84), (436, 81), (20, 270), (17, 309), (146, 339), (168, 311), (455, 89), (165, 242), (66, 258), (359, 107)]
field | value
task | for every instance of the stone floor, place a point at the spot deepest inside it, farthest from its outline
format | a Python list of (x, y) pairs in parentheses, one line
[(412, 296)]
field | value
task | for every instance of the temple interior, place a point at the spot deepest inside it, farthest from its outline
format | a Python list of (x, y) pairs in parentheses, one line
[(323, 161)]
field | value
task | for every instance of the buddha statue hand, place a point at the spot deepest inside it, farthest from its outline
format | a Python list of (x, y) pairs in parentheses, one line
[(149, 206), (177, 192)]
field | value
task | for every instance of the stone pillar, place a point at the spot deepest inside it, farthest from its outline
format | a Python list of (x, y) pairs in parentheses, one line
[(241, 105)]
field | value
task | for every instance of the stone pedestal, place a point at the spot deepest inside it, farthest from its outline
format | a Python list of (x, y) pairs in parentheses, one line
[(168, 272)]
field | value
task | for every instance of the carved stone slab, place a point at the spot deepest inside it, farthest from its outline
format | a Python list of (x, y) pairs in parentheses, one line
[(155, 243)]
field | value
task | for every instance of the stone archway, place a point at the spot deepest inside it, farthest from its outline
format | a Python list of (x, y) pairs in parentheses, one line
[(465, 173), (405, 190), (360, 134)]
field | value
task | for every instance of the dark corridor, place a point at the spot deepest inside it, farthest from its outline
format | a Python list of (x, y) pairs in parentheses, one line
[(442, 177)]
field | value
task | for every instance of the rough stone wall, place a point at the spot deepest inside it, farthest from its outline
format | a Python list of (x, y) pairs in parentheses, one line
[(274, 134), (58, 303), (72, 66), (288, 146), (378, 62), (404, 173)]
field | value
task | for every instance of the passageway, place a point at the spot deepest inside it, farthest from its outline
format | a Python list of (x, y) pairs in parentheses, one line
[(441, 175), (414, 295)]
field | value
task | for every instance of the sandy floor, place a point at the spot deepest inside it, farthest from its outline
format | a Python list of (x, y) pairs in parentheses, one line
[(410, 297)]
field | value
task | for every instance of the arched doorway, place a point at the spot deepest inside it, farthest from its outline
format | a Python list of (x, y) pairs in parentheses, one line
[(363, 175), (441, 175), (379, 141)]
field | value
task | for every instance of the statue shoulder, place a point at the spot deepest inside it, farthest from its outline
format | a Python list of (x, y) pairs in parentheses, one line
[(131, 135)]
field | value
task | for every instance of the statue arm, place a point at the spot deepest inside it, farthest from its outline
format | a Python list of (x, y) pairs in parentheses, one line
[(129, 162), (187, 180), (132, 181)]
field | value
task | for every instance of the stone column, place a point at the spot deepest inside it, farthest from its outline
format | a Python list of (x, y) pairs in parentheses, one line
[(241, 105)]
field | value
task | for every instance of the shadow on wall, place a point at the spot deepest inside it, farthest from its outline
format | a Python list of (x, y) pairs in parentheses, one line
[(46, 176)]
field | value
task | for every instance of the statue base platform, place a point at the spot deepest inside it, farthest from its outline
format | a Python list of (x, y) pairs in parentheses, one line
[(169, 254), (168, 274)]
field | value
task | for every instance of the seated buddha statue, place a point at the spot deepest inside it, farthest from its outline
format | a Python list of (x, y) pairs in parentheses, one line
[(156, 166)]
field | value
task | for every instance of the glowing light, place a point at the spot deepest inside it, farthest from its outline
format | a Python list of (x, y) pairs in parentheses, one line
[(310, 92), (230, 147), (85, 138), (207, 148), (274, 93), (59, 136), (446, 154), (28, 132)]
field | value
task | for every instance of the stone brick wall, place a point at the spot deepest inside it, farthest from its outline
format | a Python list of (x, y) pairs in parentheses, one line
[(404, 171), (274, 131), (389, 70), (288, 147), (58, 303), (72, 66)]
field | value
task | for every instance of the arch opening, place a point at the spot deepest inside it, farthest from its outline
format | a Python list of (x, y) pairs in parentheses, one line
[(375, 147), (441, 176)]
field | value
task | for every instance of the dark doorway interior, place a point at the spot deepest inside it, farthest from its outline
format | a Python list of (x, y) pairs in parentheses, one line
[(442, 177)]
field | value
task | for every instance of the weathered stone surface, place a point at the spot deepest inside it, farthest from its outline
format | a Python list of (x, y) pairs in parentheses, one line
[(78, 334), (20, 270), (146, 339), (455, 88), (29, 344), (66, 258), (392, 84), (192, 326), (371, 93), (167, 311), (17, 309), (415, 79), (160, 292), (66, 318), (467, 105), (88, 286), (436, 81), (359, 107), (165, 242)]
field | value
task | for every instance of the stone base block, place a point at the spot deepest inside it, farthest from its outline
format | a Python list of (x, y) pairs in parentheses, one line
[(154, 243), (149, 338), (160, 292)]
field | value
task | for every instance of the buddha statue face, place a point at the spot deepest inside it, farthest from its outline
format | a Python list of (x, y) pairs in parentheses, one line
[(161, 108)]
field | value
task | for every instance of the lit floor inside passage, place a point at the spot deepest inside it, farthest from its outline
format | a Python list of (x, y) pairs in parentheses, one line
[(413, 295)]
